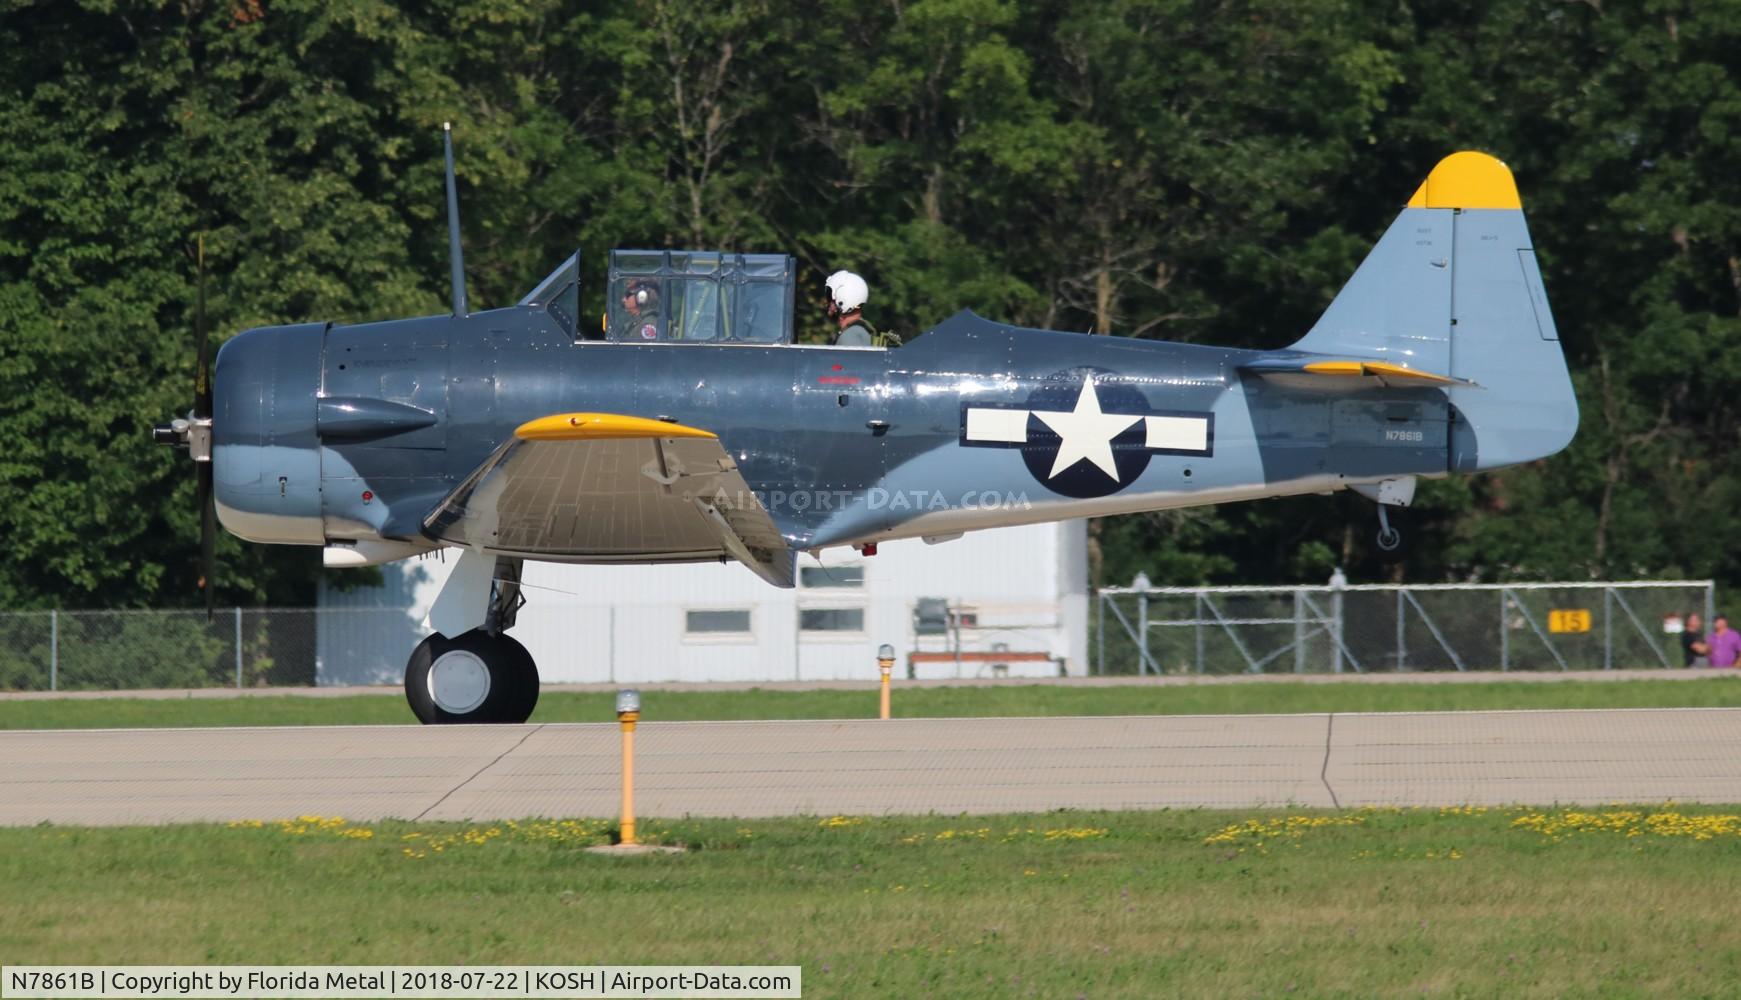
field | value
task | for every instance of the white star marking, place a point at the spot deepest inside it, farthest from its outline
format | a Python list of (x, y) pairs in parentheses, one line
[(1086, 433)]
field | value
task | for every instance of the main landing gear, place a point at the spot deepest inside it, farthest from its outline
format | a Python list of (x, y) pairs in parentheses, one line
[(482, 675)]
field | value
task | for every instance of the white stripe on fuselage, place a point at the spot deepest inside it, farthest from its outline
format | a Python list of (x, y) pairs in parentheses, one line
[(998, 426), (1001, 426), (1177, 433)]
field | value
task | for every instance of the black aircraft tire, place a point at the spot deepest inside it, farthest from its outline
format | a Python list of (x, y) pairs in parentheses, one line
[(474, 678), (522, 681), (1398, 540)]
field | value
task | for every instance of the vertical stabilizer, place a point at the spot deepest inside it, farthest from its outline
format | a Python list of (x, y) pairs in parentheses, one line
[(1453, 288)]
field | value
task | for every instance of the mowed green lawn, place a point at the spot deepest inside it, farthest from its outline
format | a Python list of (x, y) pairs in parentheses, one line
[(948, 702), (1436, 903)]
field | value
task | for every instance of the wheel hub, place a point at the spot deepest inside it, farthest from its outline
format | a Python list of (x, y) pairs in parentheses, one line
[(458, 682)]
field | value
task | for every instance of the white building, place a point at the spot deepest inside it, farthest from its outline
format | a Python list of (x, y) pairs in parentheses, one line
[(1016, 600)]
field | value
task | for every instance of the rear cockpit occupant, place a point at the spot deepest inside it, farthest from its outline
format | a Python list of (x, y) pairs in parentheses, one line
[(847, 294)]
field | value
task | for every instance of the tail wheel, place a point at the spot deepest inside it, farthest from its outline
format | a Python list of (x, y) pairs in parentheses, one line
[(476, 677)]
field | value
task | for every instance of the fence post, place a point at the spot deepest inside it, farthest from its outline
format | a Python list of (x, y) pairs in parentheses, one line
[(1197, 617), (1100, 612), (238, 647), (1337, 582), (54, 650), (1299, 634), (1710, 601), (1504, 635), (1402, 650), (1607, 628), (1142, 631)]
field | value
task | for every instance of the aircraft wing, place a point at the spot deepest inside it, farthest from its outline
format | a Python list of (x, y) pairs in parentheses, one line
[(1322, 371), (602, 487)]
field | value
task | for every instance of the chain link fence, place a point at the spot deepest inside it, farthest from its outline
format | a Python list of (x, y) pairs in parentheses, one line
[(1157, 630), (237, 647), (1379, 628)]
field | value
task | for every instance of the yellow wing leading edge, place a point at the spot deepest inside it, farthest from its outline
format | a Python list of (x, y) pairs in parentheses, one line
[(603, 427)]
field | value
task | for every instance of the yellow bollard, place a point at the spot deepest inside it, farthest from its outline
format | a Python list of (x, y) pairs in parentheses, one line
[(628, 713), (885, 663)]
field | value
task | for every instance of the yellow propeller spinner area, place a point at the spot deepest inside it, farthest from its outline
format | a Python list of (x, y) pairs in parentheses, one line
[(1468, 180)]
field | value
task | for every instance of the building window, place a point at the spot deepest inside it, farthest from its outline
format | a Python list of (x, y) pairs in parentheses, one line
[(831, 619), (717, 622), (816, 577)]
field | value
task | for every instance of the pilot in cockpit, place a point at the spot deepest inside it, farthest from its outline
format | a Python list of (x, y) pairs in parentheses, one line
[(641, 317)]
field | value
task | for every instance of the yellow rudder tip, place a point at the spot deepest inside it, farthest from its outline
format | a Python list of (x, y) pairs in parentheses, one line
[(1468, 180)]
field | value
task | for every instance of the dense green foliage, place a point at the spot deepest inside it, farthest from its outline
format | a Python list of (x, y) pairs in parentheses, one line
[(1183, 169)]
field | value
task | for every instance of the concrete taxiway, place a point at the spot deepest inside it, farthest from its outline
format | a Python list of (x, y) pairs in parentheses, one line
[(755, 769)]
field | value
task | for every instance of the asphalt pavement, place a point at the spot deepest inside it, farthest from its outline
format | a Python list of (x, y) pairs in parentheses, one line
[(759, 769)]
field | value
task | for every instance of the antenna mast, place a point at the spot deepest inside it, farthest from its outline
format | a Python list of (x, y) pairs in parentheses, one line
[(456, 261)]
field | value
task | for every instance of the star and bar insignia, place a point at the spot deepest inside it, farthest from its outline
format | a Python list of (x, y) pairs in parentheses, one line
[(1097, 444)]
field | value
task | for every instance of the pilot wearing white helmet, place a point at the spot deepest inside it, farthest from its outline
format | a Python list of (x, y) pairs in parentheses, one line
[(847, 293)]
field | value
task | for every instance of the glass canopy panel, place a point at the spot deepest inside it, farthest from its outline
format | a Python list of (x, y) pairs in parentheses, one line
[(693, 296), (559, 294)]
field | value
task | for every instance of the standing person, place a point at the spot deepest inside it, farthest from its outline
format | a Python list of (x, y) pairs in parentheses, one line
[(1725, 643), (1695, 651)]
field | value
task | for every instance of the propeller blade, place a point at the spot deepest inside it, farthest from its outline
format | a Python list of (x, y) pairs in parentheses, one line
[(202, 407), (208, 538), (202, 377)]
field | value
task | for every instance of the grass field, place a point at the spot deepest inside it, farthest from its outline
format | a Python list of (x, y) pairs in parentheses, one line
[(947, 702), (1438, 903)]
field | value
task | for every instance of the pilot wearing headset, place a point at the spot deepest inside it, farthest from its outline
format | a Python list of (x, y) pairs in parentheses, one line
[(640, 317)]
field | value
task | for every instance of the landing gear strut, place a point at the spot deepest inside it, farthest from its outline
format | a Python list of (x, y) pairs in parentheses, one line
[(1389, 539), (482, 675)]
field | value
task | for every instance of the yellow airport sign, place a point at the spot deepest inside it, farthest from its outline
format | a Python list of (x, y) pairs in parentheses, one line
[(1569, 620)]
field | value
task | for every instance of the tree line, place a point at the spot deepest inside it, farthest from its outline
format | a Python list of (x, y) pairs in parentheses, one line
[(1195, 170)]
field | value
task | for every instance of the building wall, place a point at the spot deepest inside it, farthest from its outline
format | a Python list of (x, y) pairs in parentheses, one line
[(630, 624)]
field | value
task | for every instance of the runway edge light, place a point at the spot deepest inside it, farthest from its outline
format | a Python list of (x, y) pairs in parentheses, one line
[(628, 702), (885, 663), (628, 713)]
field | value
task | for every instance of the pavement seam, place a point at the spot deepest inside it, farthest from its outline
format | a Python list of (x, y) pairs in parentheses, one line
[(1324, 771), (498, 759)]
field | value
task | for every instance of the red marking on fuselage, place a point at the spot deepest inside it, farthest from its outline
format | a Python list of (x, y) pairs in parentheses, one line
[(837, 379)]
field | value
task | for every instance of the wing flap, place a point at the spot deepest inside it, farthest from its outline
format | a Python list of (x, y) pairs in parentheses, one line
[(592, 487)]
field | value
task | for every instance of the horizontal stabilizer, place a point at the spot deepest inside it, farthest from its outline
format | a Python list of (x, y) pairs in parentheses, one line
[(1336, 374)]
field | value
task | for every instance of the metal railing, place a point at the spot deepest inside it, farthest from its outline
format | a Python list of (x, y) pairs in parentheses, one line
[(1368, 628)]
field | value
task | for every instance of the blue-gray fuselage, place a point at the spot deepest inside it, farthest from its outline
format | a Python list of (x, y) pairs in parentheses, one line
[(328, 433)]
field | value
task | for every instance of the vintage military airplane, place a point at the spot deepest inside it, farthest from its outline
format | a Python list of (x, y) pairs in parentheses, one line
[(692, 428)]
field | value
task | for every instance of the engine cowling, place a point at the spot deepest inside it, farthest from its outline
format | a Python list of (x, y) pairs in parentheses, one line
[(265, 453)]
